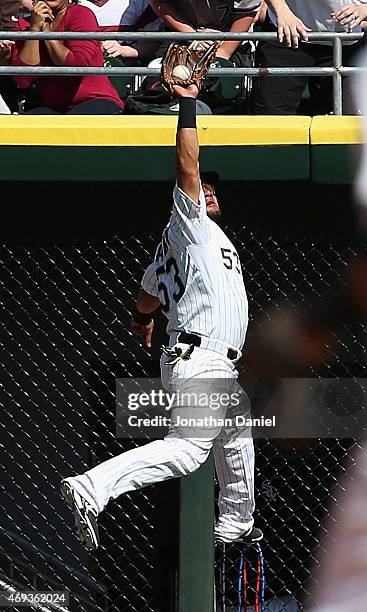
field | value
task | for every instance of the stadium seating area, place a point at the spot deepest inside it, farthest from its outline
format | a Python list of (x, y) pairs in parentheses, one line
[(285, 95)]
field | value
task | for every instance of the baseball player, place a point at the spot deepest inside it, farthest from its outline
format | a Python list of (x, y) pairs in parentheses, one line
[(196, 279)]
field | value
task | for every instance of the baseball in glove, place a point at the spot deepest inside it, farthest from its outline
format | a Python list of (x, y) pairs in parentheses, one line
[(185, 66)]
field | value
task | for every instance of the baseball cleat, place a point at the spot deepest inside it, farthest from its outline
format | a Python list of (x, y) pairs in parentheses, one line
[(86, 527), (252, 537)]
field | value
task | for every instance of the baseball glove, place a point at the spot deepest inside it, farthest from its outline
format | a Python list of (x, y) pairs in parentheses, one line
[(194, 60)]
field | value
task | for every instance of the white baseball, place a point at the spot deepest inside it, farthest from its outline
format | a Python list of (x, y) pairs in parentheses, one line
[(181, 72)]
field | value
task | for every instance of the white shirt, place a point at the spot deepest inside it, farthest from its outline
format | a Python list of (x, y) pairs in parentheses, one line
[(4, 109), (122, 12), (316, 14), (197, 276), (110, 13)]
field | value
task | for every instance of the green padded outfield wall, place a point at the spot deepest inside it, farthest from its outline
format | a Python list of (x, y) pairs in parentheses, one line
[(119, 148), (140, 148), (335, 149)]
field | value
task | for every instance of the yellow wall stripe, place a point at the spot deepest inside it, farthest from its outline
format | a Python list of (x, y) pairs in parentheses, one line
[(148, 131), (159, 131), (336, 130)]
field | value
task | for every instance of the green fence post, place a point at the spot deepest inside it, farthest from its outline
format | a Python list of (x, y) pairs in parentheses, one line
[(196, 558)]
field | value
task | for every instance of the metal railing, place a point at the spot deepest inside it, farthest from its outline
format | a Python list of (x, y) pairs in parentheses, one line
[(337, 71)]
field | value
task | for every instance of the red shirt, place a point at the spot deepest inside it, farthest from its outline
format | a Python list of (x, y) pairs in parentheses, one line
[(61, 92)]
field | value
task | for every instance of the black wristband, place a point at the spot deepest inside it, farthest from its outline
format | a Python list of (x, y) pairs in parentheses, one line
[(187, 114), (141, 317)]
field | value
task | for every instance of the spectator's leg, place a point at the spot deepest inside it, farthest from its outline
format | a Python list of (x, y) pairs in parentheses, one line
[(9, 91), (351, 57), (124, 84), (279, 95), (101, 106), (43, 110), (321, 88)]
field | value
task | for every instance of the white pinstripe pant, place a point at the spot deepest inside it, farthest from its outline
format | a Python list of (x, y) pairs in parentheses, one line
[(179, 455)]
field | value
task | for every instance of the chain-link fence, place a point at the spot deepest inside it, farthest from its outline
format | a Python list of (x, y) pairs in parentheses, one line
[(65, 338)]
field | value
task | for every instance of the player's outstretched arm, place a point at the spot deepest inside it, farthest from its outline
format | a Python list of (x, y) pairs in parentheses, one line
[(142, 322), (187, 143)]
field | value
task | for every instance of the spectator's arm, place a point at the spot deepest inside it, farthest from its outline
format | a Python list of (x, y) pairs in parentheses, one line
[(26, 53), (29, 54), (351, 15), (242, 24), (261, 13), (22, 80), (175, 22), (114, 49), (5, 52), (290, 27), (56, 49), (75, 52)]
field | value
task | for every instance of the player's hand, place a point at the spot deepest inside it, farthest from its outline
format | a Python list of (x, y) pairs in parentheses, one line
[(186, 92), (290, 28), (143, 331), (41, 13), (350, 15)]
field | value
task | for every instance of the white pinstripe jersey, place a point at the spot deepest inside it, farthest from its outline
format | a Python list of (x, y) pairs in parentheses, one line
[(197, 276)]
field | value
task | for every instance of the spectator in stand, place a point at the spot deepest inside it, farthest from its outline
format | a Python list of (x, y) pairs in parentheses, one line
[(10, 11), (351, 16), (140, 16), (262, 13), (211, 16), (293, 20), (81, 95), (7, 85), (8, 8), (108, 12)]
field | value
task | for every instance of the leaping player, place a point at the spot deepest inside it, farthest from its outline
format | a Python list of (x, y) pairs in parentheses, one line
[(196, 279)]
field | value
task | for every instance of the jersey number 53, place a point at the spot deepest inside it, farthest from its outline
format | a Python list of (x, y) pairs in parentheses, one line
[(170, 267), (231, 261)]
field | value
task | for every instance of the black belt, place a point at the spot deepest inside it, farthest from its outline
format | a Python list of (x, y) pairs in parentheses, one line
[(186, 338)]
